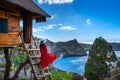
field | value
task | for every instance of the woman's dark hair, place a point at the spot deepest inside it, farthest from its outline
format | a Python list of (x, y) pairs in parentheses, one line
[(41, 44)]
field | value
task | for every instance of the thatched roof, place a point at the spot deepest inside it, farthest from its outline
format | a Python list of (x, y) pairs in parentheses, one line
[(30, 6)]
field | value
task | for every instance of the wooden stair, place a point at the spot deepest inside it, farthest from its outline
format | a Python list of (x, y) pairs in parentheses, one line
[(33, 55)]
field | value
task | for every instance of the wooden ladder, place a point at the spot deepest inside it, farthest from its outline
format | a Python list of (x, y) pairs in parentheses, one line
[(33, 55)]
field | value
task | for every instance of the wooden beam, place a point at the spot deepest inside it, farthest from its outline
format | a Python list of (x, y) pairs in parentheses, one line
[(8, 45), (27, 27), (10, 13)]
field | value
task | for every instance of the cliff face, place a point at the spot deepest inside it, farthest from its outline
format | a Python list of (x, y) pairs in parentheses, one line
[(115, 46), (85, 46), (101, 60), (69, 48)]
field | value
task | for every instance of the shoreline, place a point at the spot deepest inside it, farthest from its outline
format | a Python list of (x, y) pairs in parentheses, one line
[(72, 55)]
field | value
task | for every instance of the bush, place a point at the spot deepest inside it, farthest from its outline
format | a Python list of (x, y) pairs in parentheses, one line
[(98, 58), (19, 58), (59, 75)]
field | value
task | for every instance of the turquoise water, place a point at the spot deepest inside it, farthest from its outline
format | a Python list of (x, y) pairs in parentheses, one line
[(74, 64)]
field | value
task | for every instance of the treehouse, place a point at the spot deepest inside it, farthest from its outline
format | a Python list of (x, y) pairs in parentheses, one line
[(11, 12)]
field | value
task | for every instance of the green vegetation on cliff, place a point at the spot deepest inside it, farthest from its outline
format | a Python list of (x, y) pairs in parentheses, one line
[(60, 75), (100, 54)]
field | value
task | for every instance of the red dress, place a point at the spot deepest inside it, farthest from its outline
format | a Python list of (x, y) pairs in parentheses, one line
[(46, 57)]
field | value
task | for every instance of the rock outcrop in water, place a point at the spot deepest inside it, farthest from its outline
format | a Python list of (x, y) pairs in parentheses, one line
[(101, 60), (69, 48)]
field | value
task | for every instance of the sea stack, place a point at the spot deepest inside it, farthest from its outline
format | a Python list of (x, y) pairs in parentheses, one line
[(101, 60)]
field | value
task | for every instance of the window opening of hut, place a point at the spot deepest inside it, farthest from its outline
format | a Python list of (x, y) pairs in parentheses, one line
[(3, 25)]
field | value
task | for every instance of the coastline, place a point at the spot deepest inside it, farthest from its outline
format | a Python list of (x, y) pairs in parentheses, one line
[(73, 55)]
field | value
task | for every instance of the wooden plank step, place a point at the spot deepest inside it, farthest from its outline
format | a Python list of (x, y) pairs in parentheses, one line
[(42, 70), (33, 49), (35, 63), (35, 56), (43, 76), (45, 68)]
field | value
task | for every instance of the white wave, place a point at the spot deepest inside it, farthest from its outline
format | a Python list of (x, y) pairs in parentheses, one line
[(80, 67), (60, 56), (81, 59)]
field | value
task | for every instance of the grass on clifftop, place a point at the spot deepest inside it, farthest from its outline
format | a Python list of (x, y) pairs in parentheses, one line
[(57, 75), (60, 75)]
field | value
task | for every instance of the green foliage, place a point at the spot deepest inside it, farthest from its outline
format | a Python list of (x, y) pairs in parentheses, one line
[(94, 70), (113, 57), (106, 78), (98, 58), (89, 65), (12, 68), (100, 45), (19, 58), (102, 69), (115, 72), (89, 71), (1, 64), (59, 75)]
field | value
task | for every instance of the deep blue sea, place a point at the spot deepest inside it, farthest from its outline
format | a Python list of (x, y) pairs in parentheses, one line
[(74, 64)]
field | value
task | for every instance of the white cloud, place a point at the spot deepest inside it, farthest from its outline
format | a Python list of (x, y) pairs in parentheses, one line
[(67, 28), (52, 17), (49, 26), (60, 24), (55, 1), (88, 21), (39, 29), (43, 28)]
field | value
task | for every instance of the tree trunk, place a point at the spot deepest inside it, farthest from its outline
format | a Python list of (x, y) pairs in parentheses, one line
[(25, 71), (8, 64), (18, 70)]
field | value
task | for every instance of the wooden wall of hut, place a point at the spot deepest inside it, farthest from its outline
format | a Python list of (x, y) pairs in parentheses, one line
[(11, 38)]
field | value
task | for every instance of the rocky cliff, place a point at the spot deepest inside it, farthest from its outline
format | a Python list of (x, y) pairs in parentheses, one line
[(115, 46), (85, 46), (101, 60), (69, 48)]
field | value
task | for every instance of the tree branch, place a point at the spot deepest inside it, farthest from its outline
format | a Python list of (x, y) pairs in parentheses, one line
[(19, 69)]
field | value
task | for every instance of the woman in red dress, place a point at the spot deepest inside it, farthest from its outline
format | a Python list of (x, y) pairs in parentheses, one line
[(46, 57)]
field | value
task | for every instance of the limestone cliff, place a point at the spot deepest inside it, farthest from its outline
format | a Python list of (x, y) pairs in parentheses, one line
[(101, 60), (69, 48)]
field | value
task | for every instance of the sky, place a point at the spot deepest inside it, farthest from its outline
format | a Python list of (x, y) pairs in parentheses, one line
[(83, 20)]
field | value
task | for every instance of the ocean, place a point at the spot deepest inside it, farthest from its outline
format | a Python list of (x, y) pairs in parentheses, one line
[(74, 64)]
